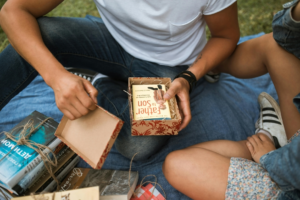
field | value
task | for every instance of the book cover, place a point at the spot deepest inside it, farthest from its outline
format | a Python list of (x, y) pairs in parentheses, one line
[(113, 184), (14, 166), (148, 102)]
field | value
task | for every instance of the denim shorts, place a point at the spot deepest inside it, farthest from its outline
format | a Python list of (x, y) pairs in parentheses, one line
[(286, 31)]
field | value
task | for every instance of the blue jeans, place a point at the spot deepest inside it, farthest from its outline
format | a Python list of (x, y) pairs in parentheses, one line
[(286, 31), (86, 43)]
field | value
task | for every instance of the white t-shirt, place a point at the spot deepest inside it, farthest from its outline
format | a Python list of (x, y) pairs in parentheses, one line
[(167, 32)]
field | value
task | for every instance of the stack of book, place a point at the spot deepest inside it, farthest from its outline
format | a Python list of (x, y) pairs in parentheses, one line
[(22, 170)]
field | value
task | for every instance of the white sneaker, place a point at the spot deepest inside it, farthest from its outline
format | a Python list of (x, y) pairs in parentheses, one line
[(212, 77), (270, 119)]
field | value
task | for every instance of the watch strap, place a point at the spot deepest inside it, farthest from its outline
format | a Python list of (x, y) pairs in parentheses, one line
[(190, 77)]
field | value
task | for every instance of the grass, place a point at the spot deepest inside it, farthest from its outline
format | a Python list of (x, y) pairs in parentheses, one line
[(255, 16)]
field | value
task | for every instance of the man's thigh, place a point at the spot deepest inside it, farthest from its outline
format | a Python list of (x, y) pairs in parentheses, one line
[(75, 42), (85, 43)]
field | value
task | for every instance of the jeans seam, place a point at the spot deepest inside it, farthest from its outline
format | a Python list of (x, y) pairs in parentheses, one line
[(285, 39), (95, 59), (109, 100), (130, 65), (125, 108), (16, 88)]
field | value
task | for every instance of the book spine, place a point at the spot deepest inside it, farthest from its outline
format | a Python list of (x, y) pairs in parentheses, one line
[(36, 173), (14, 180), (56, 174), (51, 187)]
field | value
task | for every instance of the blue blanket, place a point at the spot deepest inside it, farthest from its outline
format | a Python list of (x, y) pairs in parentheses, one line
[(229, 110)]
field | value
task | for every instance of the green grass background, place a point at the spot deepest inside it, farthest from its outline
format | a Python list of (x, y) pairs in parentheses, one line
[(254, 15)]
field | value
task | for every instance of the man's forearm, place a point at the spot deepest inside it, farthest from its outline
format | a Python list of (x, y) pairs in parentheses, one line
[(24, 35), (215, 51)]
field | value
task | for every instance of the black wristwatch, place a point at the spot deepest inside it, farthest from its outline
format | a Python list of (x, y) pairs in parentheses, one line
[(189, 76)]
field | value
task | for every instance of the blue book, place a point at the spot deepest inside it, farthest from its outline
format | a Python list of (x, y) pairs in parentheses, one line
[(37, 172), (23, 159)]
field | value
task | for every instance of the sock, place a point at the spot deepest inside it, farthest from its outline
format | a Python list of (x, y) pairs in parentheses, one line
[(212, 73), (97, 77), (267, 134)]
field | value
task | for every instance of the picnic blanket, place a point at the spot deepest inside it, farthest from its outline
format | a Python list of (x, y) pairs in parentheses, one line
[(229, 110)]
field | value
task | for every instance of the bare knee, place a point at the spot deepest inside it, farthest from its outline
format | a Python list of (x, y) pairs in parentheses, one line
[(191, 171), (172, 166), (263, 48)]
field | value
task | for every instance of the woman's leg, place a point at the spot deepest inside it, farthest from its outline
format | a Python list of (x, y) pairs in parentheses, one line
[(197, 173), (226, 148), (201, 171), (284, 69), (261, 55)]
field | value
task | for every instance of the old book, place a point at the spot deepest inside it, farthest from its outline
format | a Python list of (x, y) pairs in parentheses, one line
[(16, 164), (148, 102), (51, 184), (91, 193), (113, 184), (45, 179)]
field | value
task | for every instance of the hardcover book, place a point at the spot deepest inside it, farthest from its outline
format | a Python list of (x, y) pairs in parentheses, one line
[(149, 103), (15, 164), (113, 184), (61, 174), (45, 179)]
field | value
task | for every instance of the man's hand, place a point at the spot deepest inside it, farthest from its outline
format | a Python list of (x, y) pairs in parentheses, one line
[(259, 145), (74, 95), (181, 87)]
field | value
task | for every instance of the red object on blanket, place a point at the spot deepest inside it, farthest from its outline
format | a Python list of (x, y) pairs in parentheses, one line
[(144, 193)]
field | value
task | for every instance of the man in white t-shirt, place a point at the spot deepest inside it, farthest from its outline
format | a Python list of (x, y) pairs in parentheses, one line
[(142, 38)]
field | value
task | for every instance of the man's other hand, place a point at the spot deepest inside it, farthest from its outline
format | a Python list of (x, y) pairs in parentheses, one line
[(181, 87)]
